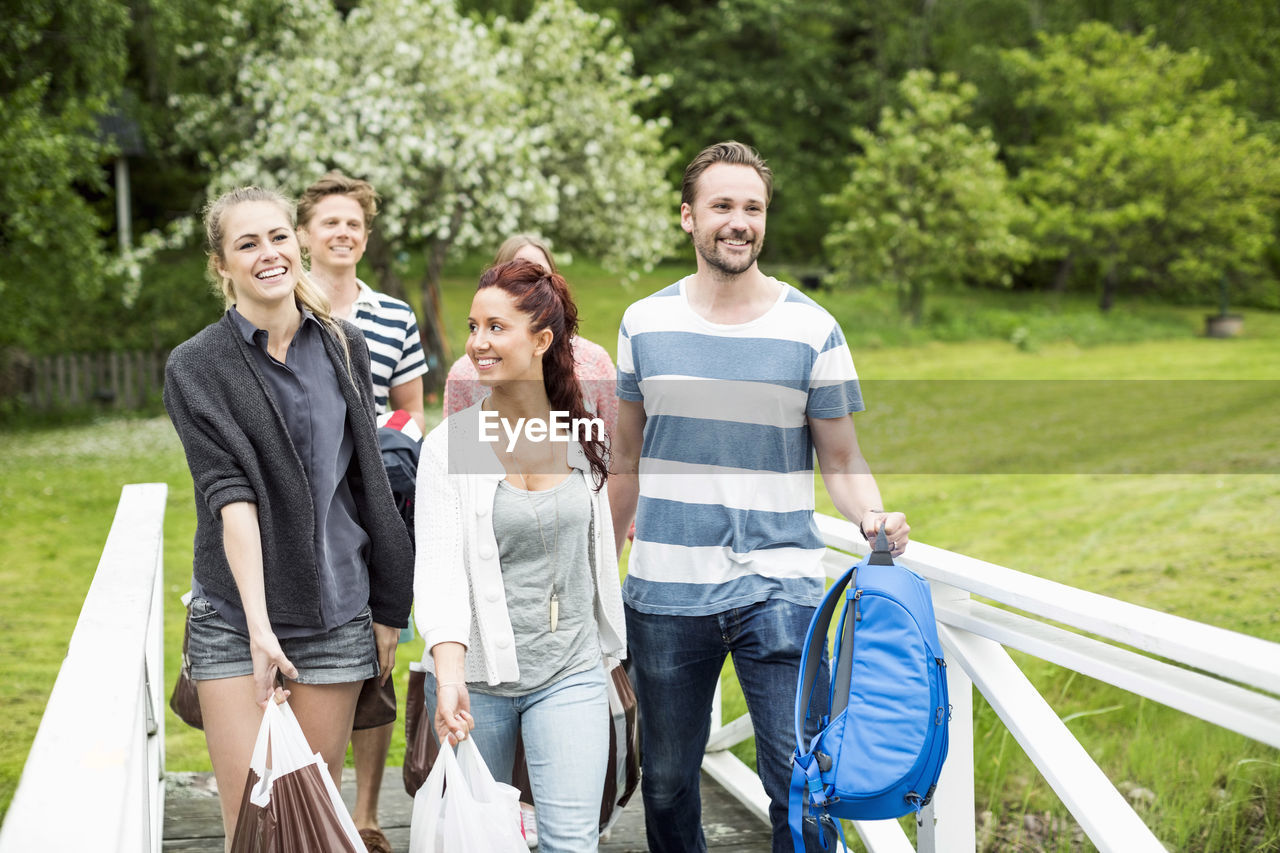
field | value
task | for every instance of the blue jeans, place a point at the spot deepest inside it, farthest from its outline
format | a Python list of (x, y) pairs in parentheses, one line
[(566, 746), (675, 665)]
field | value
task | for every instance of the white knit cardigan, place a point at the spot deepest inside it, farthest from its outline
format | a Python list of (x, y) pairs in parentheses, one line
[(458, 592)]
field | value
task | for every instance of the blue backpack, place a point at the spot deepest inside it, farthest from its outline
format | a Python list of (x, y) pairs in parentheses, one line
[(880, 751)]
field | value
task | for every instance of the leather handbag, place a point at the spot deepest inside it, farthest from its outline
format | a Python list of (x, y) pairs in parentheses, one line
[(184, 701), (420, 743)]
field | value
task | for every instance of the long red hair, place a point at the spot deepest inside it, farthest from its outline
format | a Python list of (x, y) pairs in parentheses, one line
[(544, 297)]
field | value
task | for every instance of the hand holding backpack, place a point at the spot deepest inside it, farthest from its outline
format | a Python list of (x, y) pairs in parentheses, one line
[(880, 752)]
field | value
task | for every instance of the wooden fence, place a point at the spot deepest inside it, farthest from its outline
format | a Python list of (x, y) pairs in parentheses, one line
[(113, 380)]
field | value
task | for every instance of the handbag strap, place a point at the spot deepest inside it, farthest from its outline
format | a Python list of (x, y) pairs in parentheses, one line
[(811, 655)]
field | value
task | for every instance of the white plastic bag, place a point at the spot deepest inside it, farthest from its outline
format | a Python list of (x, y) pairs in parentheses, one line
[(300, 779), (477, 814)]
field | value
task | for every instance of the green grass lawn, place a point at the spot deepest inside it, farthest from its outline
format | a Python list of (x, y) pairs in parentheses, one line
[(971, 438)]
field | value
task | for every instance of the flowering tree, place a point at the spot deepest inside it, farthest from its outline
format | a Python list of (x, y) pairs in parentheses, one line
[(469, 132)]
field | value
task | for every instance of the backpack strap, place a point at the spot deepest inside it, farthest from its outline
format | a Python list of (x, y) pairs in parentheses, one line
[(811, 655), (806, 782)]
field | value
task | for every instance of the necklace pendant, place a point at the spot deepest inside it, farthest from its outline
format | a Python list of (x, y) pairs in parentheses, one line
[(554, 612)]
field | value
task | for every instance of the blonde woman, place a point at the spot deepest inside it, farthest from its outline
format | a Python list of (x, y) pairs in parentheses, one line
[(302, 566)]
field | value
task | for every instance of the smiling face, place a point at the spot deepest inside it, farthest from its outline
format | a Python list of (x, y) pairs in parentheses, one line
[(335, 235), (727, 218), (260, 255), (501, 344)]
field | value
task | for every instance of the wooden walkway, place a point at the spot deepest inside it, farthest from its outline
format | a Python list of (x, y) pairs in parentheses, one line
[(193, 822)]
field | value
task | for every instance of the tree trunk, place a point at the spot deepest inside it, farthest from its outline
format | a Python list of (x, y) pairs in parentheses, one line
[(382, 259), (435, 345), (435, 342), (1108, 289), (1063, 275), (925, 59), (916, 309)]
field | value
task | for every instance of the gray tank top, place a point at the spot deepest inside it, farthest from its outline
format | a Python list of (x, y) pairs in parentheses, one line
[(544, 547)]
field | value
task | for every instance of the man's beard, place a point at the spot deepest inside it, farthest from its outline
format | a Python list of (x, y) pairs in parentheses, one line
[(710, 252)]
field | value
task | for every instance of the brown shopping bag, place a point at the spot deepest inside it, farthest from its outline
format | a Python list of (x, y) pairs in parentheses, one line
[(293, 805), (622, 776), (420, 743)]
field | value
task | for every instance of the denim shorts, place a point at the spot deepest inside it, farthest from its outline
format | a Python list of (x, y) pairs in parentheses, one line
[(218, 650)]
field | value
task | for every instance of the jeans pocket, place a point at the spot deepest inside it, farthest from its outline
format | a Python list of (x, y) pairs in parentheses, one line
[(201, 610)]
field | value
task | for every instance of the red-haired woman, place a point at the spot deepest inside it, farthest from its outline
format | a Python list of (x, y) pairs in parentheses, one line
[(516, 575), (592, 365)]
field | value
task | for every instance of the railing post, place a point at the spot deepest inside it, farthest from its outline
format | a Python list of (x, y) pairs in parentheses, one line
[(948, 823)]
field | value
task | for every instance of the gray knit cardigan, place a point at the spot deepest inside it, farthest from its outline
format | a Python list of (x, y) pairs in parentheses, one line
[(239, 449)]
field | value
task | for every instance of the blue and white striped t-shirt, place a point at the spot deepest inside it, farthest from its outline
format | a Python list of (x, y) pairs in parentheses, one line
[(725, 516), (391, 333)]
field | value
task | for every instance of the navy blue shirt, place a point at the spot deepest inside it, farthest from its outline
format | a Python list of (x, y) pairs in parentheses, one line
[(305, 389)]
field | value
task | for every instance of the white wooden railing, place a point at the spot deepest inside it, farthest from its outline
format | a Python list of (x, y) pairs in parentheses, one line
[(1220, 676), (94, 777), (99, 752)]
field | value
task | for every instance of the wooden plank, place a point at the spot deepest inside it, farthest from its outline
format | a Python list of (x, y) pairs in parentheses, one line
[(949, 822), (193, 819), (114, 381)]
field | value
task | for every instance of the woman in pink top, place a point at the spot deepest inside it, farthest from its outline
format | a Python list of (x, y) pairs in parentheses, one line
[(593, 367)]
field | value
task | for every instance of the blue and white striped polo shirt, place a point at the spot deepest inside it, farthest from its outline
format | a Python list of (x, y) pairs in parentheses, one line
[(391, 333), (725, 517)]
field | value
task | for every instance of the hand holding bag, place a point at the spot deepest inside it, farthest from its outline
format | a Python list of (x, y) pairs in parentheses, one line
[(475, 813), (293, 805)]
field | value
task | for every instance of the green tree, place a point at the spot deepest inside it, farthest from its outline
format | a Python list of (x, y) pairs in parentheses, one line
[(61, 66), (178, 48), (1140, 177), (786, 76), (470, 132), (926, 203)]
